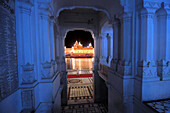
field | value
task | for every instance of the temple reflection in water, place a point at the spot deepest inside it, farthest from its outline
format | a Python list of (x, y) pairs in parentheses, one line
[(80, 63)]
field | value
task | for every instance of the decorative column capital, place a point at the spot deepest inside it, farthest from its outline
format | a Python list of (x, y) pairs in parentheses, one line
[(25, 6), (149, 8), (26, 2), (51, 19), (44, 8), (167, 8), (115, 22), (103, 35), (126, 16), (151, 5)]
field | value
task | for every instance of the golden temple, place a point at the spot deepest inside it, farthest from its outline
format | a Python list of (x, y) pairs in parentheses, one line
[(78, 51)]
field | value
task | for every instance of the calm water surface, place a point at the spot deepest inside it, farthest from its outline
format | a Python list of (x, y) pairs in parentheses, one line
[(80, 63)]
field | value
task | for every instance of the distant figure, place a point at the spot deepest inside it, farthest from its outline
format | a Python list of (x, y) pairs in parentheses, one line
[(77, 71)]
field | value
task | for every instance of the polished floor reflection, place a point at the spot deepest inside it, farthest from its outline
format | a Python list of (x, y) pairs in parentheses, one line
[(80, 90), (79, 63)]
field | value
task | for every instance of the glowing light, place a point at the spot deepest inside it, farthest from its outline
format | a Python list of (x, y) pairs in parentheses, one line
[(79, 51)]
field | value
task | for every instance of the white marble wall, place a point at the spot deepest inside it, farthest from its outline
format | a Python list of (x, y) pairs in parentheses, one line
[(136, 49)]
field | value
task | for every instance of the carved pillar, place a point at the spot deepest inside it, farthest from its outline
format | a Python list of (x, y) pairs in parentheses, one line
[(126, 22), (124, 65), (62, 66), (167, 32), (100, 40), (25, 53), (61, 52), (25, 42), (104, 48), (164, 65), (52, 44), (109, 57), (60, 58), (47, 71), (115, 39), (147, 66), (58, 52), (115, 45)]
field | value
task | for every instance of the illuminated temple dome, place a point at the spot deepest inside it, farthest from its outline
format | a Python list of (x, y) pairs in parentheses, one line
[(78, 51), (78, 45)]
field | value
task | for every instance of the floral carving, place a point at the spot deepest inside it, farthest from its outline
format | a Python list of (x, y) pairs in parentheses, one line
[(28, 74), (47, 70)]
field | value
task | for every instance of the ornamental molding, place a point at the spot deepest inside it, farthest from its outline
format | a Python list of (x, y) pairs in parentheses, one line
[(89, 7), (164, 69), (145, 63), (163, 63), (28, 75), (28, 67), (124, 67), (47, 70), (46, 64), (25, 4), (126, 17), (104, 35), (154, 5), (147, 72), (114, 63), (167, 6), (147, 15)]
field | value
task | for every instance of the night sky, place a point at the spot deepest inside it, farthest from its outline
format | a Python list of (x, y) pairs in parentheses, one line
[(84, 37)]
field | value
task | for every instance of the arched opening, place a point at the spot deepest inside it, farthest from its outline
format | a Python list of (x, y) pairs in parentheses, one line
[(79, 55)]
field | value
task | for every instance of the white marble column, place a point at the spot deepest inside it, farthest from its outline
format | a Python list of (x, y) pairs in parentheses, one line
[(46, 56), (25, 42), (108, 44), (168, 35), (104, 48), (52, 44), (164, 64), (126, 25), (25, 14), (47, 71), (109, 49), (124, 66), (100, 38), (115, 39), (148, 67), (61, 52), (97, 51), (115, 44)]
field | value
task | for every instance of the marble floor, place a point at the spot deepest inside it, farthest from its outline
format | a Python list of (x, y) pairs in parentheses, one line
[(85, 108), (160, 106), (80, 90)]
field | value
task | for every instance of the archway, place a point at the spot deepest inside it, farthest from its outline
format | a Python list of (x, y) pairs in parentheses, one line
[(79, 55)]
